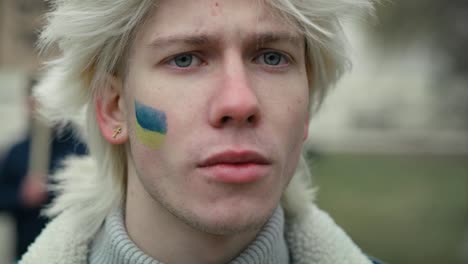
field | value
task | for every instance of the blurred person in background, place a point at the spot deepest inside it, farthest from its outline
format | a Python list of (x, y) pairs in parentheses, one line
[(195, 113), (24, 174)]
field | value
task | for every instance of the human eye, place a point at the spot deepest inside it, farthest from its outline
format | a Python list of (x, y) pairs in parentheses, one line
[(185, 60), (272, 58)]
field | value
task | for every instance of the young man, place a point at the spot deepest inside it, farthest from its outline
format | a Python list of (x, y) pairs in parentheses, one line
[(196, 112)]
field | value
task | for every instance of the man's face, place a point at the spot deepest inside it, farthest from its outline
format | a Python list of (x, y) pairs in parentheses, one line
[(217, 110)]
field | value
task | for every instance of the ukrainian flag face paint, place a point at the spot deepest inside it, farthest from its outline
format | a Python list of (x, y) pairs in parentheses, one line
[(151, 125)]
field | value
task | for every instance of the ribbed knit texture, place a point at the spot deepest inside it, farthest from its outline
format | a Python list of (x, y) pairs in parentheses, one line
[(113, 246)]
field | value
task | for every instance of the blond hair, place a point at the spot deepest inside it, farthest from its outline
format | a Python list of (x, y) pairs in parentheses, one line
[(94, 36)]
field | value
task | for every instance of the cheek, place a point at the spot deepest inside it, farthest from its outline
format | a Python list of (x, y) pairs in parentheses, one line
[(293, 129), (295, 117), (150, 126)]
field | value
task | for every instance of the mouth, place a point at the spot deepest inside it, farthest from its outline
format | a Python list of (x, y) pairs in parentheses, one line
[(235, 167)]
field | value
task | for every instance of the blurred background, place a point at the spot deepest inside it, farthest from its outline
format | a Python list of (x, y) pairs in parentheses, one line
[(389, 148)]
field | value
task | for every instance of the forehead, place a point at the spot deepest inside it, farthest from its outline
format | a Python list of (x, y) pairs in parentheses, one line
[(229, 19)]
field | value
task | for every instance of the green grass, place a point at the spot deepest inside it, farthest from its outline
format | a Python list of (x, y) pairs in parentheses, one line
[(401, 209)]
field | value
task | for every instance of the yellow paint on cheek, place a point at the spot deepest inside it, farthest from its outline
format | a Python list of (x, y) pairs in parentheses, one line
[(149, 138)]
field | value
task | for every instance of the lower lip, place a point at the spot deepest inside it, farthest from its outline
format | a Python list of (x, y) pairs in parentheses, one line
[(236, 173)]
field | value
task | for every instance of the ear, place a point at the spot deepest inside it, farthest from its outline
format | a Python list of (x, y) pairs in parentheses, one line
[(110, 112)]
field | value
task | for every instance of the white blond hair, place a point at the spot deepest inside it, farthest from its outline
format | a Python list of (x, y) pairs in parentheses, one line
[(94, 36)]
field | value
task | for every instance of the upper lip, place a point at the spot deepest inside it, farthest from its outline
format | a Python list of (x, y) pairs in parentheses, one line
[(235, 157)]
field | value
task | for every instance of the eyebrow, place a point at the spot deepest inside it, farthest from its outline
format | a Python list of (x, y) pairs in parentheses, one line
[(188, 39), (270, 37), (259, 39)]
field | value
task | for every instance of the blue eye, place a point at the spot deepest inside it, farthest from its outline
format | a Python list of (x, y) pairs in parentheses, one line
[(185, 61), (271, 58)]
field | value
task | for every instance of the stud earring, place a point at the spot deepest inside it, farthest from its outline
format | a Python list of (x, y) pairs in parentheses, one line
[(117, 131)]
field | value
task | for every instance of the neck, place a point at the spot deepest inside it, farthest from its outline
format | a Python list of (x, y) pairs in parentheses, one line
[(147, 221)]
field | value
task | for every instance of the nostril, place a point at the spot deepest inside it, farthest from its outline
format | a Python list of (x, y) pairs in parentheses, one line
[(251, 119), (225, 119)]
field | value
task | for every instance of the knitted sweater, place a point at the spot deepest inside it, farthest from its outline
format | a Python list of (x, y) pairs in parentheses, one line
[(113, 246)]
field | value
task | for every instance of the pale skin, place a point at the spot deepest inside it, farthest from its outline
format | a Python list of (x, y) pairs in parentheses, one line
[(231, 78)]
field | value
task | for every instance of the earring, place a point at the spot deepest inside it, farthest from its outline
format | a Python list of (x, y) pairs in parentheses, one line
[(117, 131)]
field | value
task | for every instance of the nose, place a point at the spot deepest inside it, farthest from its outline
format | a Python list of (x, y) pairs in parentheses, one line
[(235, 102)]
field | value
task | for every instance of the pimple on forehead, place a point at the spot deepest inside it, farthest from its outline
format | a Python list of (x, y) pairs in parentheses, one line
[(216, 9)]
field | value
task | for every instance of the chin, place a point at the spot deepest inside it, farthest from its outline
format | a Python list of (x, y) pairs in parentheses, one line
[(231, 220), (226, 227)]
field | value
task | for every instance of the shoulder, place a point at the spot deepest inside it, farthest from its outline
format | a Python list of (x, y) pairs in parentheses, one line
[(18, 149), (375, 261), (13, 163), (61, 240), (313, 236)]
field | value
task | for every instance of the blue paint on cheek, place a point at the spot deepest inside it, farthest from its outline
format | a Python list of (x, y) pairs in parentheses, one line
[(150, 118)]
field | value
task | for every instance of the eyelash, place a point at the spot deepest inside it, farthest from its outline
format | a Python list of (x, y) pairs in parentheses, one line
[(285, 59), (171, 61)]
